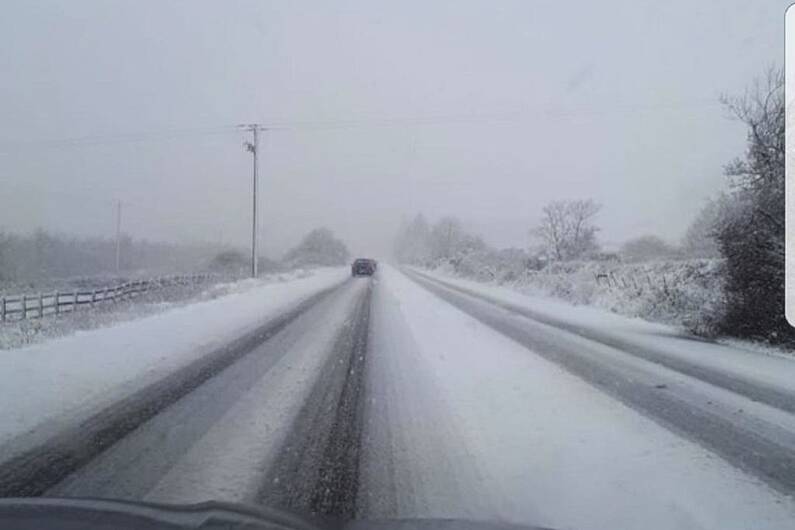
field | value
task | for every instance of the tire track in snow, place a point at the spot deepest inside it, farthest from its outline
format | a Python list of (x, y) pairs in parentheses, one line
[(775, 397), (36, 469), (317, 468), (753, 451), (416, 462)]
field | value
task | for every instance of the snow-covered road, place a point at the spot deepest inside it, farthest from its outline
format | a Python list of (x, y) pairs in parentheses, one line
[(558, 449), (407, 396)]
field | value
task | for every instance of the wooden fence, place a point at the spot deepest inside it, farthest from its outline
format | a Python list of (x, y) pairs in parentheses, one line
[(633, 281), (25, 306)]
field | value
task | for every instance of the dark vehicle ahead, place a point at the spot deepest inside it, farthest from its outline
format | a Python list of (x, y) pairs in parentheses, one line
[(363, 267)]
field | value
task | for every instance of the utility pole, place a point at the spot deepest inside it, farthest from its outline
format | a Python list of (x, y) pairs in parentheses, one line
[(253, 147), (118, 236)]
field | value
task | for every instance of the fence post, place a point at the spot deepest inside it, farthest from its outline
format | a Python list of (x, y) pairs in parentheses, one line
[(93, 297), (74, 302), (41, 305), (57, 302), (3, 309), (24, 306)]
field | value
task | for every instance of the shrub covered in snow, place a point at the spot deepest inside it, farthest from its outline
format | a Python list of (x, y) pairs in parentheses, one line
[(670, 290), (683, 292), (750, 226)]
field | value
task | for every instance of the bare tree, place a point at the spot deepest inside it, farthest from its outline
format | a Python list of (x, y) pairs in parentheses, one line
[(446, 235), (567, 230), (762, 110), (552, 230), (750, 228), (413, 241)]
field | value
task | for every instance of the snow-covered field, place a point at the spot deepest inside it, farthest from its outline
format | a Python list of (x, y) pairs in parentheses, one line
[(215, 442), (764, 366), (680, 292), (457, 418), (18, 333), (54, 382), (481, 427)]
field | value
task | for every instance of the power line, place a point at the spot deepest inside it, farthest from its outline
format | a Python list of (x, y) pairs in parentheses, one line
[(113, 139), (363, 123), (480, 118)]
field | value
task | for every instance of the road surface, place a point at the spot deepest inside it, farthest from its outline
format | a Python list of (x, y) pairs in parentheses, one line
[(404, 395)]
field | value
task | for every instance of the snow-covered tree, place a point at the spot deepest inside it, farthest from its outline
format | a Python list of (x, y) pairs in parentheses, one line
[(566, 229), (446, 235), (318, 247), (700, 240), (413, 242), (750, 227)]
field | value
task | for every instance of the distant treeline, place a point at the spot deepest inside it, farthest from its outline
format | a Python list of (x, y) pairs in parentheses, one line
[(41, 254), (44, 256), (744, 227)]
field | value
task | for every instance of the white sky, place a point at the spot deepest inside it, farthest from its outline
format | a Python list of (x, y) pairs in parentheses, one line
[(481, 109)]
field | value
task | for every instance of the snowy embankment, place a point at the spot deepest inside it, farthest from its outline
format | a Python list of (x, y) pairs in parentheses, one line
[(53, 383), (18, 333), (762, 367), (482, 427), (680, 292)]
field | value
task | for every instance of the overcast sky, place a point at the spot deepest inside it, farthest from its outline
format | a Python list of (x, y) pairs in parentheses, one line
[(481, 109)]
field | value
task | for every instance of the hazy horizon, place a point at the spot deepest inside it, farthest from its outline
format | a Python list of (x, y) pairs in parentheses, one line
[(473, 109)]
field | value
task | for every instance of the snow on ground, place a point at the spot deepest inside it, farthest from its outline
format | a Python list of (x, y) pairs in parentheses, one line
[(541, 446), (744, 363), (216, 441), (227, 463), (411, 463), (684, 292), (54, 382), (19, 333)]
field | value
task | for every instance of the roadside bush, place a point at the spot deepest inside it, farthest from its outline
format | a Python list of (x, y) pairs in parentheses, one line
[(687, 293), (750, 227)]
